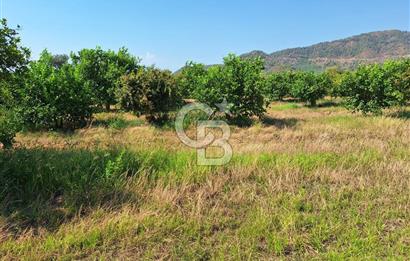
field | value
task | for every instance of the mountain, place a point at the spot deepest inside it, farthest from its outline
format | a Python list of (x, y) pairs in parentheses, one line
[(374, 47)]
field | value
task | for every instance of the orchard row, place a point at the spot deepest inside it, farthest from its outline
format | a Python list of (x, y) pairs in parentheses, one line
[(63, 92)]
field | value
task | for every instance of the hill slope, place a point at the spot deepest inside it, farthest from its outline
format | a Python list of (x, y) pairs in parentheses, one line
[(347, 53)]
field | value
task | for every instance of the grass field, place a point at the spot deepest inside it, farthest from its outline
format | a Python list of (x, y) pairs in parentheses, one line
[(304, 183)]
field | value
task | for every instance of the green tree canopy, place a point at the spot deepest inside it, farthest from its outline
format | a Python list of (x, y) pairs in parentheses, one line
[(149, 91), (55, 97), (309, 87), (13, 62), (238, 81), (13, 57), (101, 71), (372, 88)]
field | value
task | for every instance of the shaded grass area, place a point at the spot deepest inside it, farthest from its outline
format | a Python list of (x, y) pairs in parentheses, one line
[(116, 121), (285, 106), (43, 188), (402, 114)]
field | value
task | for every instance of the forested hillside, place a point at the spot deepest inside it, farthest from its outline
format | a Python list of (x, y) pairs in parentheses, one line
[(347, 53)]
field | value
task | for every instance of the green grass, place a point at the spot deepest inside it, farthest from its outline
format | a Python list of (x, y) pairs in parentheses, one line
[(285, 106)]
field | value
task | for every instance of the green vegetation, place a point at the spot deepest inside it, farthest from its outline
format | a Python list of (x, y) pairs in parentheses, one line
[(13, 56), (278, 85), (54, 97), (101, 71), (190, 77), (62, 92), (149, 91), (374, 87), (238, 81), (10, 124), (309, 87)]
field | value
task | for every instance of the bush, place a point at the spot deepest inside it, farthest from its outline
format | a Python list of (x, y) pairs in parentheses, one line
[(149, 91), (10, 124), (211, 89), (278, 85), (190, 77), (335, 77), (102, 70), (55, 98), (309, 87), (239, 82), (372, 88), (399, 72)]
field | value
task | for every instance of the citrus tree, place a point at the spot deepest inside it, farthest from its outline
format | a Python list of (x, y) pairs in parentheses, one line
[(13, 64), (101, 71), (149, 91), (238, 81), (190, 77), (309, 87), (55, 97), (371, 88), (10, 124), (278, 85)]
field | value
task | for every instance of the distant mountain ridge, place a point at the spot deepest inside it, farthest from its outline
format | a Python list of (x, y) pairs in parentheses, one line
[(348, 53)]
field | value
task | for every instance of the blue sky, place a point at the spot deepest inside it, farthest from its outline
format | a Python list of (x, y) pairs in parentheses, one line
[(168, 33)]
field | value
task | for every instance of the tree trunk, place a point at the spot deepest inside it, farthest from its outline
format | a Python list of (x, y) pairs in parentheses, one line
[(313, 103)]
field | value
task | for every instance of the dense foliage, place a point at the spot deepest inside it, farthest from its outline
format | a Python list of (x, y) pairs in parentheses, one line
[(191, 76), (101, 71), (335, 76), (13, 57), (374, 87), (278, 85), (55, 97), (238, 81), (13, 62), (309, 87), (149, 91), (10, 124)]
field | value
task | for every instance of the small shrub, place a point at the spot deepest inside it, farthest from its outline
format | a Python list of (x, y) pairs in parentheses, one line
[(115, 167), (117, 123), (10, 124), (335, 76)]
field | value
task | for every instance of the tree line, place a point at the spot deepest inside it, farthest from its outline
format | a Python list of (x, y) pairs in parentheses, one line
[(63, 91)]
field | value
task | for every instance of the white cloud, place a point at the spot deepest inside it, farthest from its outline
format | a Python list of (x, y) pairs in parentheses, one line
[(149, 59)]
